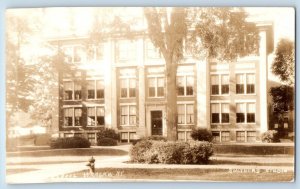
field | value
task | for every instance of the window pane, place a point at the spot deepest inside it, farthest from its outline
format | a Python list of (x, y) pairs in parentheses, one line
[(132, 110), (215, 89), (68, 90), (225, 89), (190, 109), (180, 86), (215, 118), (91, 111), (225, 79), (91, 116), (181, 135), (240, 136), (189, 113), (91, 89), (215, 108), (215, 80), (240, 79), (225, 136), (124, 86), (250, 79), (132, 85), (216, 136), (240, 117), (124, 110), (250, 88), (239, 88), (240, 108), (225, 108), (78, 118), (160, 91), (251, 107), (251, 136), (251, 117), (77, 88), (189, 85), (180, 109), (225, 117), (100, 111), (160, 82)]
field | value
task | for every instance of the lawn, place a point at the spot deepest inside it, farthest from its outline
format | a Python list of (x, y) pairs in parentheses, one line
[(165, 174)]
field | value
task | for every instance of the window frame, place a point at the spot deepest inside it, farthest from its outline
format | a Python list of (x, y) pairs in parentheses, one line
[(220, 113), (245, 84), (73, 83), (95, 116), (219, 86), (185, 113), (185, 85), (246, 112), (128, 115), (73, 116), (156, 78)]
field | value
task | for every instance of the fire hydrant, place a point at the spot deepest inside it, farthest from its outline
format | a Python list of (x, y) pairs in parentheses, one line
[(91, 165)]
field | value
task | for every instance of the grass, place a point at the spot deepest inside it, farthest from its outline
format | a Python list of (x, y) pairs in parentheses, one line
[(70, 152), (186, 174)]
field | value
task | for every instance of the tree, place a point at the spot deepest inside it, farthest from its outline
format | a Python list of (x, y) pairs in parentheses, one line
[(284, 67), (284, 62), (221, 33)]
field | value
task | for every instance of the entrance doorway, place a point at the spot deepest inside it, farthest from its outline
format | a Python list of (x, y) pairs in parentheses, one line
[(156, 122)]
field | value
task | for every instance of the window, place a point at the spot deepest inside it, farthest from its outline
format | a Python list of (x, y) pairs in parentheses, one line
[(240, 136), (185, 114), (124, 137), (225, 136), (285, 122), (219, 84), (225, 84), (216, 136), (128, 115), (240, 113), (215, 118), (215, 85), (240, 84), (251, 136), (128, 88), (72, 117), (151, 51), (245, 112), (68, 117), (74, 54), (68, 90), (126, 50), (95, 89), (245, 83), (71, 88), (251, 113), (91, 137), (220, 113), (225, 113), (156, 87), (96, 116), (185, 85), (181, 135), (250, 83), (96, 52)]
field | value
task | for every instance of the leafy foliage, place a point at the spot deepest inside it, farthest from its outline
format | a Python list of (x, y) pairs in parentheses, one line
[(283, 98), (72, 142), (107, 142), (284, 62), (201, 135), (148, 151), (270, 136), (107, 133)]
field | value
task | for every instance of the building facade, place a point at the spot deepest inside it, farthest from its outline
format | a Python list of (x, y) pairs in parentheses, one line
[(121, 84)]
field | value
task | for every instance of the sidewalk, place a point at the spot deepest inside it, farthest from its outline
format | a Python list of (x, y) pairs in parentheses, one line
[(61, 172)]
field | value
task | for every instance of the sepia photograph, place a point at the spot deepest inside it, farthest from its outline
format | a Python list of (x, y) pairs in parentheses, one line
[(150, 94)]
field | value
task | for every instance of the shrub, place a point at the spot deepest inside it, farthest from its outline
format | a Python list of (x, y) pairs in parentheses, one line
[(107, 133), (139, 150), (270, 136), (202, 135), (107, 142), (153, 137), (72, 142), (149, 151)]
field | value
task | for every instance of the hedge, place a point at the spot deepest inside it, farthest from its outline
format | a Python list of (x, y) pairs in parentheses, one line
[(72, 142), (201, 135), (270, 136), (107, 142), (150, 151)]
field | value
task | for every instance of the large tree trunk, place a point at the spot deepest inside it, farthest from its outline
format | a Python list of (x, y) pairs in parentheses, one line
[(171, 106)]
